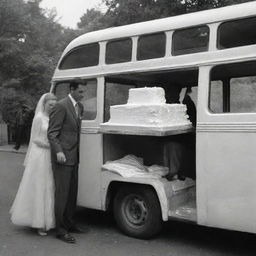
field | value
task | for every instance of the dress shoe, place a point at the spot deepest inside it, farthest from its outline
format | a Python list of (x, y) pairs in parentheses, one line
[(67, 238), (78, 230)]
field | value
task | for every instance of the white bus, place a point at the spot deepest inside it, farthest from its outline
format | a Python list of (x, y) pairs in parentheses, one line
[(212, 51)]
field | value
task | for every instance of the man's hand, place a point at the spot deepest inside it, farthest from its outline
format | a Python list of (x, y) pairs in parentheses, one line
[(61, 157)]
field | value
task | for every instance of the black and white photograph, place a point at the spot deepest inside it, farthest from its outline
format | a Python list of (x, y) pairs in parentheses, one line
[(127, 128)]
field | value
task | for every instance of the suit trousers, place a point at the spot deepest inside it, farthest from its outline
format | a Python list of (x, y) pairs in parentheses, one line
[(66, 185), (181, 155)]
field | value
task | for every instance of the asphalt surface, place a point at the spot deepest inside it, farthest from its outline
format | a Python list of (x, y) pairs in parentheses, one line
[(103, 238)]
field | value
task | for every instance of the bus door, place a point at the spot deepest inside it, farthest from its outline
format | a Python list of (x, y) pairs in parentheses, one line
[(226, 146)]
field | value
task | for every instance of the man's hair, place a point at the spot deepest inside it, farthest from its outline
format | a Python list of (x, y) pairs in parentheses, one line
[(75, 83), (189, 89)]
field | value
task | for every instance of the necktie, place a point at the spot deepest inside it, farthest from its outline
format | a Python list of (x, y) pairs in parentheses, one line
[(77, 109)]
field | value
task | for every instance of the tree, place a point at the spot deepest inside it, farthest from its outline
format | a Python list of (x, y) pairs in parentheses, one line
[(13, 18), (92, 20), (122, 12), (31, 42)]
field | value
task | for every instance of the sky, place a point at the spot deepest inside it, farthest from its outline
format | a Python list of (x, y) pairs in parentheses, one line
[(70, 11)]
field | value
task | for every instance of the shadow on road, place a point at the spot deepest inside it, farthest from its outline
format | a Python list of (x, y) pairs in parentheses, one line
[(212, 239), (220, 241)]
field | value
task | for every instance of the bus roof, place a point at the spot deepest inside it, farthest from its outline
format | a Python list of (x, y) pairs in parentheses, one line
[(165, 24)]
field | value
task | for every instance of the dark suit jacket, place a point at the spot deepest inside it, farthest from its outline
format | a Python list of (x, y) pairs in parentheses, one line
[(64, 131)]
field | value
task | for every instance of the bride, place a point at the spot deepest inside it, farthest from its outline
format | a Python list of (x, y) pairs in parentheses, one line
[(34, 202)]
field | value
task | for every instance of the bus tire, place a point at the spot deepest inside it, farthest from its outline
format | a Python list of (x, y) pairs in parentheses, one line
[(137, 212)]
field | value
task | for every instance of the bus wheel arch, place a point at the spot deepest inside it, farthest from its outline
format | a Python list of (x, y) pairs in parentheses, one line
[(136, 209)]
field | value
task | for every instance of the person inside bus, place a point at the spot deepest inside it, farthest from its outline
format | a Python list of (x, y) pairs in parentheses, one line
[(173, 148), (188, 168), (180, 149), (191, 107)]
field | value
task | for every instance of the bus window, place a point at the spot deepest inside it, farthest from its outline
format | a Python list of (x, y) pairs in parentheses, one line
[(243, 94), (193, 94), (151, 46), (233, 88), (89, 101), (119, 51), (84, 56), (61, 90), (216, 99), (237, 33), (191, 40)]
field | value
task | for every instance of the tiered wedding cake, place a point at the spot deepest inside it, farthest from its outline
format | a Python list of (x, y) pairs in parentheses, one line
[(147, 108)]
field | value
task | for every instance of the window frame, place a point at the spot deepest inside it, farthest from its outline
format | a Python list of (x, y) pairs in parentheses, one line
[(226, 90), (147, 35), (188, 28), (57, 83), (218, 46), (118, 40), (76, 49)]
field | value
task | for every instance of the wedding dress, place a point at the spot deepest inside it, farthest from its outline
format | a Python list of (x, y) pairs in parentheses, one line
[(34, 202)]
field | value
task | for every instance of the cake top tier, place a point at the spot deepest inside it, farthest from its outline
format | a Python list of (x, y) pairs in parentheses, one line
[(146, 96)]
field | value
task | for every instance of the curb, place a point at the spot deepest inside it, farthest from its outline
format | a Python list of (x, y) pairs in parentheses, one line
[(13, 151)]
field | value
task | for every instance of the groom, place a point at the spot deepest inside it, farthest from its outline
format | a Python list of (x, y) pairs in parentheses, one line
[(64, 136)]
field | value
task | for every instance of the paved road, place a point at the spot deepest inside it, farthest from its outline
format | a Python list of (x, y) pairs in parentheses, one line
[(103, 239)]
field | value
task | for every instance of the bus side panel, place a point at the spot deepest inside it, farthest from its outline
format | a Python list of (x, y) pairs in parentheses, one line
[(89, 184), (226, 180)]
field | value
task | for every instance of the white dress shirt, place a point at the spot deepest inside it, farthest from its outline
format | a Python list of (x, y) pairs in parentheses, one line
[(75, 104)]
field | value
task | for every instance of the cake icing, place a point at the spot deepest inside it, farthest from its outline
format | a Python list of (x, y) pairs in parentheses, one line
[(147, 107), (146, 96)]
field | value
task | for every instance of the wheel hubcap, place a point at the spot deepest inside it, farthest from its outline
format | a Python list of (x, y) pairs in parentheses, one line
[(135, 211)]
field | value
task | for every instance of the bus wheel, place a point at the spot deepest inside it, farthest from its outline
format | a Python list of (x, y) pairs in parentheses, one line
[(137, 211)]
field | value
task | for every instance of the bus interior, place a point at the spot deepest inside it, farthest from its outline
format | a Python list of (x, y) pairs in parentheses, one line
[(159, 150)]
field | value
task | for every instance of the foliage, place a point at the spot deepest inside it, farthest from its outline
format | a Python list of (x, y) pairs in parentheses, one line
[(92, 20), (122, 12), (11, 100), (31, 42)]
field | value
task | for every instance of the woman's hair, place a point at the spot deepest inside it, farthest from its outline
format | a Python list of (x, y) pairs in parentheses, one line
[(49, 96)]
